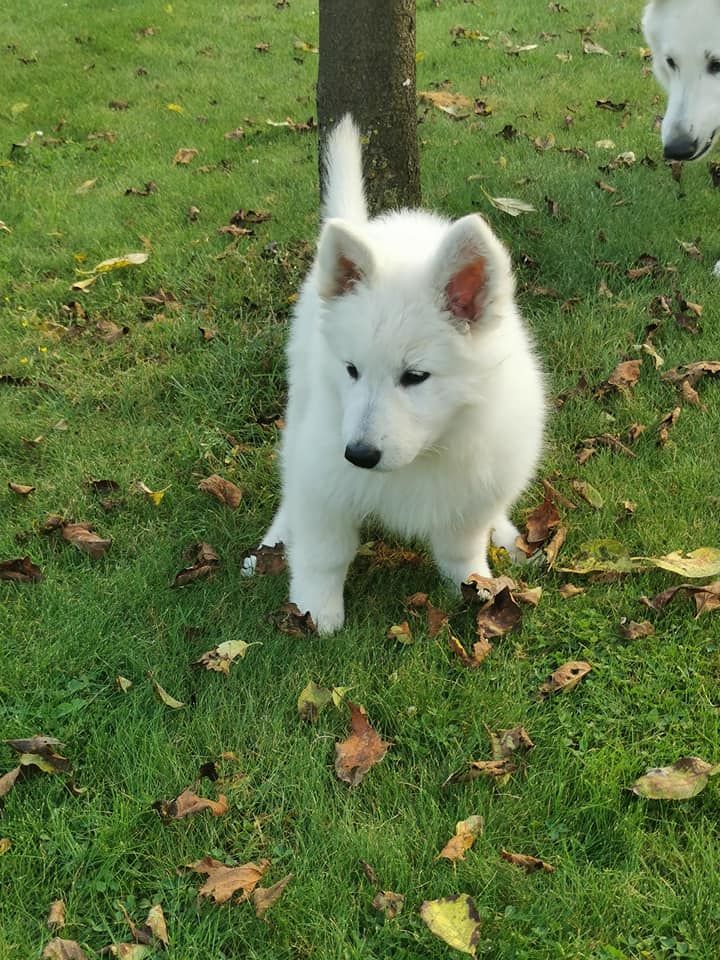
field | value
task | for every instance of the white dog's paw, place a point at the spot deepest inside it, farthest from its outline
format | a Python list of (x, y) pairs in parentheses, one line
[(504, 535), (249, 565), (329, 621), (716, 270)]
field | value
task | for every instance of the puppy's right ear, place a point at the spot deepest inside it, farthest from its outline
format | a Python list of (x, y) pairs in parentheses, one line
[(343, 259)]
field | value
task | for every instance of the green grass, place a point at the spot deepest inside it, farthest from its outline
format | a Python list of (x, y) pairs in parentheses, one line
[(635, 879)]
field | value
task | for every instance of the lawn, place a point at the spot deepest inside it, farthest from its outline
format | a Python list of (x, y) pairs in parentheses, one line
[(119, 382)]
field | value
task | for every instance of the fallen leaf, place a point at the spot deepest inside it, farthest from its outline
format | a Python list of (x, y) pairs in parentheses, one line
[(83, 536), (389, 903), (499, 616), (164, 697), (494, 769), (466, 833), (188, 803), (38, 751), (7, 781), (184, 156), (683, 780), (528, 863), (123, 683), (205, 562), (56, 915), (222, 882), (482, 589), (224, 490), (632, 630), (666, 424), (511, 205), (505, 743), (569, 590), (383, 555), (86, 186), (691, 249), (59, 949), (400, 632), (363, 748), (221, 657), (291, 620), (149, 188), (456, 105), (455, 920), (5, 844), (154, 496), (119, 263), (588, 493), (539, 524), (265, 897), (436, 618), (703, 562), (565, 678), (109, 332), (707, 598), (480, 651), (21, 570), (589, 46), (312, 701)]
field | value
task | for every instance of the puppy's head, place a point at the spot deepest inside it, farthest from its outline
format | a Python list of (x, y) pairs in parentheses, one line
[(684, 36), (404, 330)]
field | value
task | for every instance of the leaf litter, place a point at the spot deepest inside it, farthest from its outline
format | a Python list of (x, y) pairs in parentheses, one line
[(355, 756)]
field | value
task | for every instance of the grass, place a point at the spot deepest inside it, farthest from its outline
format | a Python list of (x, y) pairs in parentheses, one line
[(634, 879)]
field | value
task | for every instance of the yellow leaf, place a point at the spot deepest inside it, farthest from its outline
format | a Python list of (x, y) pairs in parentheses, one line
[(17, 108), (175, 107), (118, 263), (154, 495), (703, 562), (5, 845), (455, 920), (164, 697), (682, 781), (83, 285), (86, 186)]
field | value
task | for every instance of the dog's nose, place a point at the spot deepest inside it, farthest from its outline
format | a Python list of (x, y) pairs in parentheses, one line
[(363, 455), (681, 148)]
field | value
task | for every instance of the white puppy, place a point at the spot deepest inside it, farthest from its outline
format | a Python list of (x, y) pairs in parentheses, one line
[(414, 393), (684, 36)]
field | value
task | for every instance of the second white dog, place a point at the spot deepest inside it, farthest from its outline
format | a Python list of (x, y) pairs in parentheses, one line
[(415, 396)]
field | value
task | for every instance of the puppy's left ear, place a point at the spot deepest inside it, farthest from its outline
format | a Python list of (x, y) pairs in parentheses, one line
[(473, 273)]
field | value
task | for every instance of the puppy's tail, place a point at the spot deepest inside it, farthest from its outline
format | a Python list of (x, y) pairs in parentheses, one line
[(344, 191)]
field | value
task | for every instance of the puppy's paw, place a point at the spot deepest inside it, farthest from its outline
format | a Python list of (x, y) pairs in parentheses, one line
[(329, 621), (504, 535)]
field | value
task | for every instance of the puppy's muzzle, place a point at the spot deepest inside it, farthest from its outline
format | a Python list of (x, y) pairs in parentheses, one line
[(363, 455), (680, 148)]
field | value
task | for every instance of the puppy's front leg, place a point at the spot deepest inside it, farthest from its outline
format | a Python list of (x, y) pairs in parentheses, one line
[(322, 547), (460, 552)]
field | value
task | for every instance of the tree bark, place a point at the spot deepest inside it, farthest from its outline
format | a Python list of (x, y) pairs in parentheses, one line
[(367, 68)]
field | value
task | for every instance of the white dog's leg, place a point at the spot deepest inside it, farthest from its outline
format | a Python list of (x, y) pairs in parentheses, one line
[(458, 553), (321, 550), (503, 535)]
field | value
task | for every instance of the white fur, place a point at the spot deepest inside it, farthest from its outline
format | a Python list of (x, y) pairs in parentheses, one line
[(457, 449), (687, 33)]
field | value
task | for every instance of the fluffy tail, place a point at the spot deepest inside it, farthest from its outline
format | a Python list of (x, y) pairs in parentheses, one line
[(344, 191)]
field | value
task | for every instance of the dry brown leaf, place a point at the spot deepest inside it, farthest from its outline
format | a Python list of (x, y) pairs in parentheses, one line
[(222, 882), (565, 678), (569, 590), (362, 749), (495, 769), (266, 560), (185, 155), (221, 657), (21, 489), (265, 897), (389, 903), (499, 616), (383, 555), (683, 780), (480, 650), (83, 536), (21, 570), (223, 490), (164, 697), (203, 560), (666, 424), (455, 105), (59, 949), (706, 598), (7, 781), (436, 618), (505, 743), (291, 620), (528, 863), (632, 630), (623, 378), (188, 803), (466, 833), (400, 632), (56, 915), (483, 589), (109, 332), (539, 524), (39, 751)]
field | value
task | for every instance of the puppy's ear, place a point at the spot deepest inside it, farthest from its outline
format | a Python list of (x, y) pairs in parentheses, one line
[(343, 260), (472, 272)]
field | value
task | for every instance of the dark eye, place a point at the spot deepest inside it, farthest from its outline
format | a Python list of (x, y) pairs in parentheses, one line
[(411, 378), (714, 67), (352, 370), (671, 63)]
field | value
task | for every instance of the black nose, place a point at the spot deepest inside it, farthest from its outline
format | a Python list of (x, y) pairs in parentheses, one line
[(362, 455), (681, 148)]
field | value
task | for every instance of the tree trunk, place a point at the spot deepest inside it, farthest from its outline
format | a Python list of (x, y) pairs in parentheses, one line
[(367, 68)]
